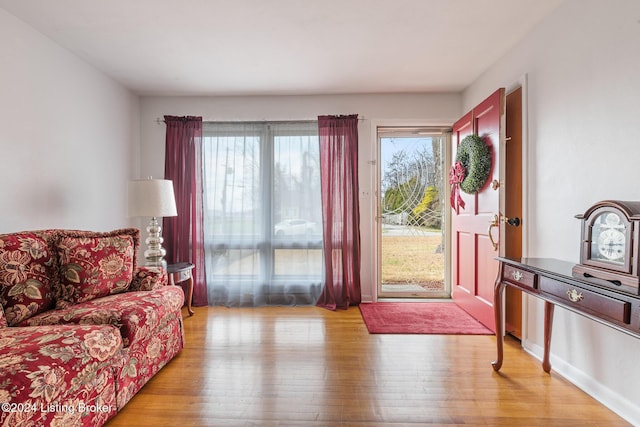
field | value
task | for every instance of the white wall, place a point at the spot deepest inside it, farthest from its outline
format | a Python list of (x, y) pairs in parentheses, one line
[(68, 137), (417, 109), (583, 69)]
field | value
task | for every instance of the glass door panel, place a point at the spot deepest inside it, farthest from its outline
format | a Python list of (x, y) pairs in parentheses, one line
[(412, 208)]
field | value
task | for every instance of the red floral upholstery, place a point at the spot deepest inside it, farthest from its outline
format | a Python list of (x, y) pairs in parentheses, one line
[(94, 265), (148, 278), (58, 376), (115, 327), (137, 314), (27, 275), (143, 359)]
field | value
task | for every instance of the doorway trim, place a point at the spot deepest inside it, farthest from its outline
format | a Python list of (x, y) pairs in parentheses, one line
[(522, 83)]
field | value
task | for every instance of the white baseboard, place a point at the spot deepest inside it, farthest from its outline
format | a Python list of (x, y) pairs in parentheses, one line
[(614, 401)]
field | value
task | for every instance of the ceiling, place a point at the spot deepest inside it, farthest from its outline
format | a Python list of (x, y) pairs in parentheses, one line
[(286, 47)]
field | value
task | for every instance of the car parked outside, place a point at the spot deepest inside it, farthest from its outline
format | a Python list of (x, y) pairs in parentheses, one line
[(295, 227)]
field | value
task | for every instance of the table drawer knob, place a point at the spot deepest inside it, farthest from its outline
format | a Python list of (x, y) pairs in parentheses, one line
[(517, 275), (574, 295)]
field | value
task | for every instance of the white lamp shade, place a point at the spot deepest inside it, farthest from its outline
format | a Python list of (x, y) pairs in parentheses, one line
[(152, 197)]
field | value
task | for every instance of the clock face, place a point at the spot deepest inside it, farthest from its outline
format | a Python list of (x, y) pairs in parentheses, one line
[(611, 244), (608, 239)]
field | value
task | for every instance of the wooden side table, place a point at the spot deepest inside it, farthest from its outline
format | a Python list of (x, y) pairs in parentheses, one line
[(181, 272)]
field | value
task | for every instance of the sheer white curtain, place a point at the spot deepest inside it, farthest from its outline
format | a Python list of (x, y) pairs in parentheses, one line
[(263, 218)]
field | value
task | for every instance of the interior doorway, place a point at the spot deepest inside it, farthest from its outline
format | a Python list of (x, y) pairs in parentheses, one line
[(412, 212)]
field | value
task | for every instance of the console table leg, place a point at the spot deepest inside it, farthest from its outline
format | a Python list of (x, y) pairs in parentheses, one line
[(497, 310), (548, 324)]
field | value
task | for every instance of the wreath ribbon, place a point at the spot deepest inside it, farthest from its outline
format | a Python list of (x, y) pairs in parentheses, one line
[(457, 173)]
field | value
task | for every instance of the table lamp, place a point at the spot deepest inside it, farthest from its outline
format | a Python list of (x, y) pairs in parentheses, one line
[(152, 198)]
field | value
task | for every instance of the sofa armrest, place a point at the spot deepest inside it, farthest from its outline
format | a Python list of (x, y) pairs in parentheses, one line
[(148, 278)]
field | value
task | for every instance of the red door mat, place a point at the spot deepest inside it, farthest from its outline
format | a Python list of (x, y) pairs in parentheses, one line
[(443, 318)]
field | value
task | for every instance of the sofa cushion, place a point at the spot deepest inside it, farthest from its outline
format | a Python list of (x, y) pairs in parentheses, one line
[(137, 314), (94, 264), (27, 275)]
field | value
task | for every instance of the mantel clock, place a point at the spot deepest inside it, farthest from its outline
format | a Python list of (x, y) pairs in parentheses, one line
[(609, 249)]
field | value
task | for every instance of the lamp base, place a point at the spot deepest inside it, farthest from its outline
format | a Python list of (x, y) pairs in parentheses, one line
[(154, 255)]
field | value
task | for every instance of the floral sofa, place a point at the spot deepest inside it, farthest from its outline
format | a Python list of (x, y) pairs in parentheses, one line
[(82, 328)]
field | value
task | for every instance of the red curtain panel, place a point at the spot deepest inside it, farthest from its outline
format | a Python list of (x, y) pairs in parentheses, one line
[(340, 208), (184, 234)]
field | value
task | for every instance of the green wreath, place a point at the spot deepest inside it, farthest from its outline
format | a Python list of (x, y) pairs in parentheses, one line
[(475, 156)]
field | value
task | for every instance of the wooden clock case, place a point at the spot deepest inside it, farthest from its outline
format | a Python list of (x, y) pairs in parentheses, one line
[(625, 275)]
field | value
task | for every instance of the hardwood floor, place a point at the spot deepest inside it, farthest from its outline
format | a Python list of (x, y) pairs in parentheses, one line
[(307, 366)]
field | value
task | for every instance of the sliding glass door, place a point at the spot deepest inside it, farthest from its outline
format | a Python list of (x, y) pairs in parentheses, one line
[(412, 208)]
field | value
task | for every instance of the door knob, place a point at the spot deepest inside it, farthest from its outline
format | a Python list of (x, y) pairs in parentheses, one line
[(515, 222)]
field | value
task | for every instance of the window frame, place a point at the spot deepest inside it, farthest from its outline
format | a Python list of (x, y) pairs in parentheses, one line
[(265, 244)]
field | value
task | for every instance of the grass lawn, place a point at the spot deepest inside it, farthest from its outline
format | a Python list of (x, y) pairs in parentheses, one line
[(413, 259)]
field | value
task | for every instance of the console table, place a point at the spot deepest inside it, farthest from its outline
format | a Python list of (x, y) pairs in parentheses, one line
[(552, 281)]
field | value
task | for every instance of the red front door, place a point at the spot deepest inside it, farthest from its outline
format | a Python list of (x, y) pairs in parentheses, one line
[(474, 267)]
